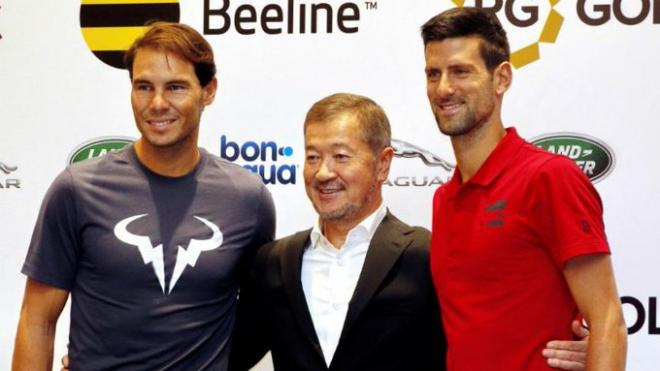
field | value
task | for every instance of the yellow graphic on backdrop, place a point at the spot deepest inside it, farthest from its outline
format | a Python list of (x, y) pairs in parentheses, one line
[(549, 33), (109, 27)]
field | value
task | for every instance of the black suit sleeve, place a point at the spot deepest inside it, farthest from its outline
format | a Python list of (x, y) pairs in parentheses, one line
[(251, 338), (436, 340)]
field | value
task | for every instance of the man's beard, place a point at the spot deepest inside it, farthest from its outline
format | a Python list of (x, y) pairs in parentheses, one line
[(349, 210), (463, 124)]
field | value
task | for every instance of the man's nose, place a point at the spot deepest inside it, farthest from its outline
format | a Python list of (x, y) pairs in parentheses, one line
[(325, 171), (445, 87), (159, 102)]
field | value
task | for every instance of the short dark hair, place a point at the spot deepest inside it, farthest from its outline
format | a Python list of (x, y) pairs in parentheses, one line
[(470, 21), (181, 40), (374, 125)]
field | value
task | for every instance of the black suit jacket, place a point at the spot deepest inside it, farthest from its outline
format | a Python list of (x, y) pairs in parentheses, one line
[(392, 323)]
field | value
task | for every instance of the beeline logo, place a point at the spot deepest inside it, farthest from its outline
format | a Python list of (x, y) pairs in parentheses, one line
[(260, 158), (292, 17), (109, 27)]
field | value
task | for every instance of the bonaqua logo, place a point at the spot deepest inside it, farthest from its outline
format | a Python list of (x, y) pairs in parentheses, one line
[(97, 147), (591, 155), (110, 27), (263, 158), (520, 15)]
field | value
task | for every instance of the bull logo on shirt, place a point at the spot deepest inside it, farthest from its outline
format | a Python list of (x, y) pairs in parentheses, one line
[(154, 254)]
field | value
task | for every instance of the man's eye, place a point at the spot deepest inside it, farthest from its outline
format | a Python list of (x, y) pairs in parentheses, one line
[(312, 158), (176, 88), (433, 74), (461, 72), (142, 87), (341, 157)]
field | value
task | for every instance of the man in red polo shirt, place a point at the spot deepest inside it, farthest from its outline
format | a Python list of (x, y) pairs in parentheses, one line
[(518, 244)]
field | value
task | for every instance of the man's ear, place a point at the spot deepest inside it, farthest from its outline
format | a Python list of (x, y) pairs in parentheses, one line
[(384, 162), (502, 77), (209, 90)]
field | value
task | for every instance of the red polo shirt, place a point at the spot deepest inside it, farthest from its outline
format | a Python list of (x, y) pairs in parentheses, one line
[(498, 247)]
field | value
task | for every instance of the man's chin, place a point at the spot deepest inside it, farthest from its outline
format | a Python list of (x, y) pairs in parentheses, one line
[(453, 129)]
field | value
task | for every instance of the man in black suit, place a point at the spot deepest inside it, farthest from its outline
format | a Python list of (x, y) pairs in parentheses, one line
[(355, 291)]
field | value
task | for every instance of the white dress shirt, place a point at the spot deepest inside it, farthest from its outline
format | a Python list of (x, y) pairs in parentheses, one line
[(329, 276)]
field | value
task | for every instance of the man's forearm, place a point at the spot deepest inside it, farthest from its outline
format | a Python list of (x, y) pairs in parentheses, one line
[(33, 349), (591, 280), (608, 345)]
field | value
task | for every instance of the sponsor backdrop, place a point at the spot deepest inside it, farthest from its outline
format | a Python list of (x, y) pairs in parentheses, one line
[(585, 86)]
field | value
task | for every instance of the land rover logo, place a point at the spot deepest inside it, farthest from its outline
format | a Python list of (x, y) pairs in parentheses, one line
[(98, 147), (591, 155)]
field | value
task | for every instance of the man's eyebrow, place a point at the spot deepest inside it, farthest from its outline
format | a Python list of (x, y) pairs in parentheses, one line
[(180, 82), (461, 65), (335, 146), (141, 81)]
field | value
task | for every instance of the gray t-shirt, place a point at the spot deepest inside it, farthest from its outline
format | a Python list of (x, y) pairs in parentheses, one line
[(153, 263)]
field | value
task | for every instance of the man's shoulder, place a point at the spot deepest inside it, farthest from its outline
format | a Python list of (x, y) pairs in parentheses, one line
[(539, 163), (277, 249), (392, 223), (533, 156), (231, 173), (110, 161), (280, 245)]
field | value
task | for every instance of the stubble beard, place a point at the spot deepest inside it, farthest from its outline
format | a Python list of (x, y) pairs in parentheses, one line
[(467, 122), (349, 210), (456, 126)]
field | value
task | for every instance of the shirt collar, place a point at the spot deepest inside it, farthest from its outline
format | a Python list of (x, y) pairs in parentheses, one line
[(501, 156), (367, 227)]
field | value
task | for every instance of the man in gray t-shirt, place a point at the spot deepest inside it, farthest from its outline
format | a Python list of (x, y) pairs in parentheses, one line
[(151, 241)]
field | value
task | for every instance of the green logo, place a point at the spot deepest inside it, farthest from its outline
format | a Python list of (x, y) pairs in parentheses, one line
[(98, 147), (591, 155)]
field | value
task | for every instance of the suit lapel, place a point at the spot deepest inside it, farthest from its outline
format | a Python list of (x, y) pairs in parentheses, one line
[(291, 259), (386, 246)]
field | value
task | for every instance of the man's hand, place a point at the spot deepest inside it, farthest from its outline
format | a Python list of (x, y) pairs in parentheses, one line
[(569, 355), (65, 363)]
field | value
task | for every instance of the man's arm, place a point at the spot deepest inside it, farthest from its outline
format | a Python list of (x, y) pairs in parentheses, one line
[(42, 305), (591, 281)]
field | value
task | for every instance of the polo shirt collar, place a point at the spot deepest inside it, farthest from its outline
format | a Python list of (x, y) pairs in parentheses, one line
[(501, 156)]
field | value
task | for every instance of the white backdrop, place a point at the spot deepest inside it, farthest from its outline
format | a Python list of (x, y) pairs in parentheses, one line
[(600, 81)]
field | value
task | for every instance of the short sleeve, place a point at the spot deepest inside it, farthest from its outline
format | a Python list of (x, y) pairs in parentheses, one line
[(53, 252), (266, 218), (569, 211)]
